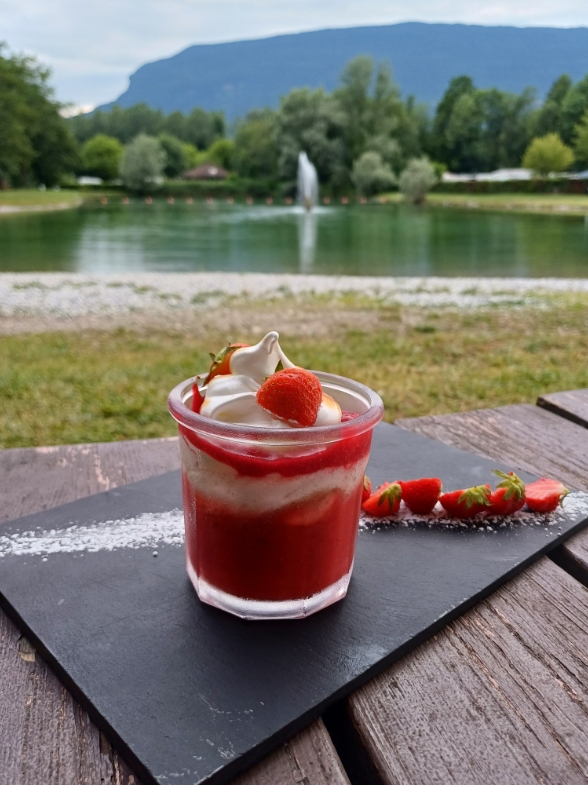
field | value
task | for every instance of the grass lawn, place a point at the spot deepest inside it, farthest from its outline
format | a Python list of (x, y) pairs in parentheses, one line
[(32, 197), (67, 387), (528, 203)]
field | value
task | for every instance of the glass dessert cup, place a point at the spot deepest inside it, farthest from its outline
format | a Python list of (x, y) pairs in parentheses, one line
[(271, 515)]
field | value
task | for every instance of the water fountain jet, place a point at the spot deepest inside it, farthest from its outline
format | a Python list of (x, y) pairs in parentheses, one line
[(307, 182)]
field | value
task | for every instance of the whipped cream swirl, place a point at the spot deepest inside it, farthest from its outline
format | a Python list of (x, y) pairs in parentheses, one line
[(232, 397)]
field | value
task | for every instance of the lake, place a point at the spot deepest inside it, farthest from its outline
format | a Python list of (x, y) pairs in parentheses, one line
[(357, 239)]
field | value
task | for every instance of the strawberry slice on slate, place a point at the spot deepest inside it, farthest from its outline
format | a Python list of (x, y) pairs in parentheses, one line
[(367, 488), (293, 394), (420, 496), (466, 503), (384, 501), (509, 495), (544, 495)]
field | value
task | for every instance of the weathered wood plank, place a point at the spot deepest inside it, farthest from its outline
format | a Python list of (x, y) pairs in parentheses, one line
[(45, 737), (526, 437), (39, 478), (500, 695), (307, 758), (571, 404)]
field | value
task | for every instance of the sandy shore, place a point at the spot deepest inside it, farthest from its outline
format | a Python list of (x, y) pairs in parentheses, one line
[(42, 301)]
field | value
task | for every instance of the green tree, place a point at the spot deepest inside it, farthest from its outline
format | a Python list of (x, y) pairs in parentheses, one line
[(481, 130), (142, 163), (175, 125), (441, 147), (371, 175), (417, 179), (221, 153), (203, 128), (573, 107), (35, 143), (312, 121), (199, 128), (548, 118), (548, 154), (176, 160), (256, 151), (581, 141), (507, 126), (376, 119), (354, 100), (192, 155), (101, 157)]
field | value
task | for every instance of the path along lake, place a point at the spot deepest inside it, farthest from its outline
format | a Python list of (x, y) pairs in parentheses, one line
[(357, 239)]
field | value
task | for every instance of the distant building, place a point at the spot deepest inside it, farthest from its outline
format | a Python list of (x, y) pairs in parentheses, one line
[(499, 176), (205, 172), (84, 180)]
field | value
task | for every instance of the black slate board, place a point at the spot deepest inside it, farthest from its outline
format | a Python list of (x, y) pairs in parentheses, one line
[(192, 695)]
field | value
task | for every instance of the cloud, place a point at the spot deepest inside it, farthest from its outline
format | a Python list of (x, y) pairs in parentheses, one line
[(94, 46)]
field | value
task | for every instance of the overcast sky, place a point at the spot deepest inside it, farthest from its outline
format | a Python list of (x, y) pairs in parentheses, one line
[(94, 45)]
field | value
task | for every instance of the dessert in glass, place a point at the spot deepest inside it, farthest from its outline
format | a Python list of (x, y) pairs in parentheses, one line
[(273, 466)]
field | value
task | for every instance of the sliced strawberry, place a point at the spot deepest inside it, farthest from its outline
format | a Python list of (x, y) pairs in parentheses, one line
[(466, 503), (509, 495), (197, 398), (221, 362), (384, 501), (346, 416), (367, 488), (544, 495), (420, 496), (293, 394)]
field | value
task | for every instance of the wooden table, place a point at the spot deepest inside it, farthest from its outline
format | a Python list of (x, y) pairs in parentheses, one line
[(499, 696)]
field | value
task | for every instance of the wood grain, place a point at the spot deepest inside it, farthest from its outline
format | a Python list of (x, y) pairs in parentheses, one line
[(525, 437), (45, 737), (36, 479), (307, 758), (571, 404), (499, 696)]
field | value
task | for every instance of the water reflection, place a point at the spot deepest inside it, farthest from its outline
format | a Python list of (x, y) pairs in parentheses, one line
[(336, 240), (307, 232)]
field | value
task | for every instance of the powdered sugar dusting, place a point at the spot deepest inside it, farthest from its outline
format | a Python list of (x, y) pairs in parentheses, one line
[(574, 506), (143, 531)]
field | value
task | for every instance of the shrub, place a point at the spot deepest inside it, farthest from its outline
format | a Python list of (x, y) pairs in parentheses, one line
[(371, 175), (101, 156), (142, 163), (548, 154), (417, 179)]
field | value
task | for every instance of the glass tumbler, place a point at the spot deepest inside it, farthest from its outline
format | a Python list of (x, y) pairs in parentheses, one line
[(271, 515)]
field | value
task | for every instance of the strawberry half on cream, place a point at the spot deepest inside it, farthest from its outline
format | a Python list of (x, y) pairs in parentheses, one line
[(238, 397)]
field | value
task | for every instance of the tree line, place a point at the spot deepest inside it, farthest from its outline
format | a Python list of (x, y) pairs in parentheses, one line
[(362, 135)]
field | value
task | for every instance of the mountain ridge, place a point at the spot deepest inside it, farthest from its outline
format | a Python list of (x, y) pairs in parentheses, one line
[(237, 76)]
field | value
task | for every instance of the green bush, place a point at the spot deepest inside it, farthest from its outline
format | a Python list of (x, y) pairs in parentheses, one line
[(142, 163), (101, 157), (548, 154), (371, 175), (417, 179)]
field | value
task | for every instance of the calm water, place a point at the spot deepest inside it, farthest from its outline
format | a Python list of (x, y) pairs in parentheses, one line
[(356, 240)]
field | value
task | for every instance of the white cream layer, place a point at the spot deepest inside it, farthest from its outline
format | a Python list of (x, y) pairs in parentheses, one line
[(223, 484)]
